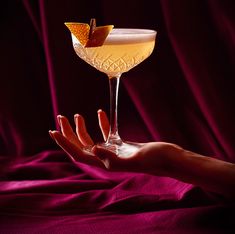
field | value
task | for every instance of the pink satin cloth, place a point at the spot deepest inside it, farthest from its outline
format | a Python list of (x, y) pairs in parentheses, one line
[(48, 193), (183, 93)]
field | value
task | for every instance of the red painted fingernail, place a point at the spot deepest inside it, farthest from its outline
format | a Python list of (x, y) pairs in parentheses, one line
[(51, 135), (75, 118), (99, 111), (59, 119)]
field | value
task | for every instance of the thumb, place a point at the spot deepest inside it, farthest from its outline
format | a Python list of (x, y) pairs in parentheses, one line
[(109, 158), (103, 153)]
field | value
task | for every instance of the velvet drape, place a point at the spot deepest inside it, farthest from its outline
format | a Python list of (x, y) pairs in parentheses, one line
[(183, 93)]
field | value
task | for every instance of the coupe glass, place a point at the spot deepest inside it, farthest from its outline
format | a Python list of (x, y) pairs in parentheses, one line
[(122, 50)]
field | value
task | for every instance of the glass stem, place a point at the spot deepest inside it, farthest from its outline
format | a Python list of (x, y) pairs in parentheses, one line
[(114, 137)]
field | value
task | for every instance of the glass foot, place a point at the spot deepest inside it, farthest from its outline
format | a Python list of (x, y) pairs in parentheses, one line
[(124, 149)]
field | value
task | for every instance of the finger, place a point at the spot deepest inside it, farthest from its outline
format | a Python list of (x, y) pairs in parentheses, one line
[(81, 131), (67, 130), (66, 145), (103, 123), (75, 153)]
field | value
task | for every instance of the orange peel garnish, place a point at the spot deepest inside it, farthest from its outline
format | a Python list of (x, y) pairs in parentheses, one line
[(82, 32)]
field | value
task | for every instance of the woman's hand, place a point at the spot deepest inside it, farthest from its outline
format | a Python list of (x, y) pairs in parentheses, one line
[(156, 158), (152, 158), (79, 145)]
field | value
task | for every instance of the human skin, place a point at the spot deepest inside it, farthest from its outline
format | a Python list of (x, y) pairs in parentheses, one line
[(155, 158)]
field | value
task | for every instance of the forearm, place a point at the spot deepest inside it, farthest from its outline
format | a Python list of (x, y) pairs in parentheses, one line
[(209, 173)]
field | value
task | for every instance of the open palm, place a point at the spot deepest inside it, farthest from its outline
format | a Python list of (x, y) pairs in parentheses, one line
[(152, 157)]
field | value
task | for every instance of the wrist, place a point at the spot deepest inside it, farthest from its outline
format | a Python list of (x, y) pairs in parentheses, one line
[(182, 164), (171, 166)]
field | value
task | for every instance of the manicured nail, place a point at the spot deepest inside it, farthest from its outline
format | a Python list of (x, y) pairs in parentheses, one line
[(50, 133), (100, 110), (59, 119), (75, 117)]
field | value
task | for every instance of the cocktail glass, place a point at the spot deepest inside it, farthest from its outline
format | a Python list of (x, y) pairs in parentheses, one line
[(122, 50)]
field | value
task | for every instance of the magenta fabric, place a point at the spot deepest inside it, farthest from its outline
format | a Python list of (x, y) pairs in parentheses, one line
[(184, 93)]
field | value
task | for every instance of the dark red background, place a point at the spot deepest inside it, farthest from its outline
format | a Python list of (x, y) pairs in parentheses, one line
[(183, 93)]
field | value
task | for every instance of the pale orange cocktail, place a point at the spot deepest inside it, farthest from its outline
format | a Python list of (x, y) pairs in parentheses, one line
[(122, 50)]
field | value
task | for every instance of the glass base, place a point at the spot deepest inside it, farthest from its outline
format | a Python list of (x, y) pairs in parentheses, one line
[(123, 149)]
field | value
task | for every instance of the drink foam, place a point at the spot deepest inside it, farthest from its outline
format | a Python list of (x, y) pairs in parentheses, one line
[(126, 36)]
